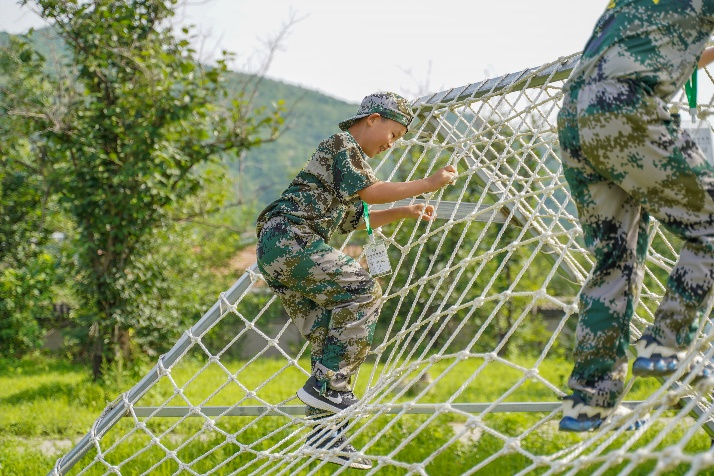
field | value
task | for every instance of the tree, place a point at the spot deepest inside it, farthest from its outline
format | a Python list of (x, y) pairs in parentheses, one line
[(27, 269), (141, 132)]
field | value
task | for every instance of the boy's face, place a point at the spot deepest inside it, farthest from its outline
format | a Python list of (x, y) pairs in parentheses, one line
[(381, 134)]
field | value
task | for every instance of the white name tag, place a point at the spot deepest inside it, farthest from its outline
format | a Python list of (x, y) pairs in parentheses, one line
[(702, 135), (377, 258)]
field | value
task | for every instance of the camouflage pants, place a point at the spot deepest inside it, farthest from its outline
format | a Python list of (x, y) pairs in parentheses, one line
[(625, 159), (332, 300)]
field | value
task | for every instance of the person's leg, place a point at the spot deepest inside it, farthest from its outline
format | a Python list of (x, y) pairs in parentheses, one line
[(339, 284), (313, 322), (640, 148), (301, 261), (615, 232), (311, 319)]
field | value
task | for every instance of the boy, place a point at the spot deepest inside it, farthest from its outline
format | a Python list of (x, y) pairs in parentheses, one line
[(330, 298), (625, 159)]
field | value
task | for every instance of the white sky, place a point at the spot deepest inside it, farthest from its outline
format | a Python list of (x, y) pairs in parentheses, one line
[(350, 49)]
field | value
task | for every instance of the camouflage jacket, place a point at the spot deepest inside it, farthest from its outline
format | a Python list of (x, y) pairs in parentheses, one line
[(657, 42), (323, 196)]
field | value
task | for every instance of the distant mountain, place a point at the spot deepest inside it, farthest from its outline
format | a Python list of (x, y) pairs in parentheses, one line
[(46, 42), (313, 116), (267, 169)]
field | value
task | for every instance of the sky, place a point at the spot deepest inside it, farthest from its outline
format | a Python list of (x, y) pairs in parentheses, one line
[(348, 49)]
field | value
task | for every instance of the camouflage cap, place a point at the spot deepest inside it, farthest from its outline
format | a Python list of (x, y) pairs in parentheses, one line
[(386, 104)]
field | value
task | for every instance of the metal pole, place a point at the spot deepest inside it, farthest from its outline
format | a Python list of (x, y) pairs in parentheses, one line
[(117, 409)]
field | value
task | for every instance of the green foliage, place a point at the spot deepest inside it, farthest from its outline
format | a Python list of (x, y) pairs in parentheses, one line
[(187, 264), (193, 242), (25, 295), (132, 140), (26, 272), (27, 266)]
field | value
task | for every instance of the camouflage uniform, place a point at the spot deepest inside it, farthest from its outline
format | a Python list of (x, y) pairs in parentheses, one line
[(332, 300), (625, 158)]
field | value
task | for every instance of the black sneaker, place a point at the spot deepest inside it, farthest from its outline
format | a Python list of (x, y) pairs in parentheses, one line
[(332, 447), (318, 395)]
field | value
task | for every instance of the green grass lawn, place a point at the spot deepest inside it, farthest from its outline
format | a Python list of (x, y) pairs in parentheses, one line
[(48, 405)]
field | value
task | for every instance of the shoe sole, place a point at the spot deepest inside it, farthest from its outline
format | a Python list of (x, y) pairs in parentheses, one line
[(579, 426), (646, 367), (342, 462), (308, 399)]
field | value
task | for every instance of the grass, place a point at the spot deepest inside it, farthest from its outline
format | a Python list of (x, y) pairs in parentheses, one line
[(46, 402)]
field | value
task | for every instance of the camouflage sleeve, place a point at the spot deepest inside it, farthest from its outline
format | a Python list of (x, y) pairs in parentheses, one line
[(352, 219), (351, 173)]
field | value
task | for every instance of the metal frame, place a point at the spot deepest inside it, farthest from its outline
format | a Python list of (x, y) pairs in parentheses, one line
[(116, 410), (392, 409), (531, 77)]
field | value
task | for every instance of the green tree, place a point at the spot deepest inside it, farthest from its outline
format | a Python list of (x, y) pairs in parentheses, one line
[(27, 269), (27, 272), (132, 144)]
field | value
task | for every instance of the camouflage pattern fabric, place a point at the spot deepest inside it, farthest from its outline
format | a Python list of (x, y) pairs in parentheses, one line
[(625, 159), (332, 300), (654, 42), (386, 104), (323, 196)]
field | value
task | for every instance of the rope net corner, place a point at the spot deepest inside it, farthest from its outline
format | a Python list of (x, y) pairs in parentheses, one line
[(471, 352)]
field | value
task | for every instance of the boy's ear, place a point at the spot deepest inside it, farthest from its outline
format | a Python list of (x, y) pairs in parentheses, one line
[(372, 117)]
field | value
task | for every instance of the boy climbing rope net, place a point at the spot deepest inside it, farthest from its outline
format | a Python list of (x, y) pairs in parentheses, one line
[(332, 300)]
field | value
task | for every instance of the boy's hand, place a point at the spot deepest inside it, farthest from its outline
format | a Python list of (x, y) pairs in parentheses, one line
[(420, 211), (443, 176)]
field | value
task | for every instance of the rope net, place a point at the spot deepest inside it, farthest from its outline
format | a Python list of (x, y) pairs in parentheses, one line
[(471, 352)]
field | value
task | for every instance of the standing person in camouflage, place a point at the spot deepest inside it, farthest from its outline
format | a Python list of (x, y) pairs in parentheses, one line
[(626, 159), (332, 300)]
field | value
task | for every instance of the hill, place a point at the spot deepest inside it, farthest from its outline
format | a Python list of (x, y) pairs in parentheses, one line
[(266, 170), (313, 116)]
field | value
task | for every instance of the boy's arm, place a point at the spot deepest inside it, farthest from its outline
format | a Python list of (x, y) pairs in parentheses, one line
[(706, 58), (387, 192), (379, 218)]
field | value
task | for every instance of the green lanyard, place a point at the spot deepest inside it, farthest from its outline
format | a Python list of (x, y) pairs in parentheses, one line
[(690, 88), (366, 217)]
